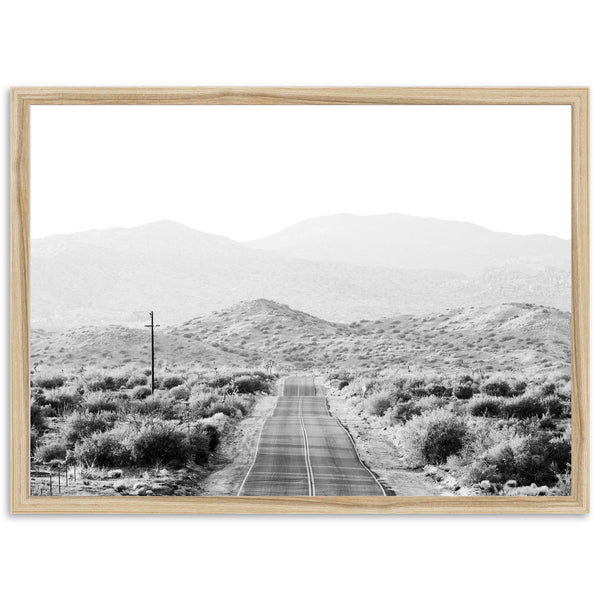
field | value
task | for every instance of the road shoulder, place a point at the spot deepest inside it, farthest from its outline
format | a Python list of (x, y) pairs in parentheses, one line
[(380, 455), (238, 451)]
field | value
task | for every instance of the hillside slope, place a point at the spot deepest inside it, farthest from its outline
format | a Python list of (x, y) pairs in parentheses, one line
[(502, 337)]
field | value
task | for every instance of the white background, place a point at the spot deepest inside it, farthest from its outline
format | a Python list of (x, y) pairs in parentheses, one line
[(247, 172), (297, 43)]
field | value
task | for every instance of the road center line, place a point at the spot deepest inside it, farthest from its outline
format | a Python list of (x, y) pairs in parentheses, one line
[(309, 471)]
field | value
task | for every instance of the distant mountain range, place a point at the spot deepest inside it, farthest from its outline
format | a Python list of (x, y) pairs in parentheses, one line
[(403, 242), (507, 337), (338, 268)]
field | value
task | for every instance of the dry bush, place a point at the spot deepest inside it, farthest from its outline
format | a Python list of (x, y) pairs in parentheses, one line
[(251, 384), (103, 449), (156, 405), (171, 381), (159, 443), (135, 380), (486, 407), (463, 391), (432, 438), (48, 382), (496, 387), (203, 440), (36, 419), (62, 399), (96, 402), (538, 458), (523, 407), (404, 411), (81, 425), (140, 392), (181, 392), (50, 451), (105, 382), (378, 403)]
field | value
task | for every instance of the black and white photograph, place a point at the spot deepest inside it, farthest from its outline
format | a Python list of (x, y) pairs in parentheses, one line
[(300, 301)]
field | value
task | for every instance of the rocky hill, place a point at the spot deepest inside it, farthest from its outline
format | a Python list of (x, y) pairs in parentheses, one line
[(501, 337)]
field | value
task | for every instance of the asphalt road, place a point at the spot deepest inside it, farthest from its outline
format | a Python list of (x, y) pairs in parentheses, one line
[(304, 451)]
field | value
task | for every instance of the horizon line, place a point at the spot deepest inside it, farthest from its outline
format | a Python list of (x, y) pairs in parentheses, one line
[(568, 239)]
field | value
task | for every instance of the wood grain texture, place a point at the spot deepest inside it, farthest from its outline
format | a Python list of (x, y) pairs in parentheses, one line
[(21, 101)]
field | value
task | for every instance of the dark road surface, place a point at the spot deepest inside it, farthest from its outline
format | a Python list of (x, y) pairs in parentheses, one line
[(304, 451)]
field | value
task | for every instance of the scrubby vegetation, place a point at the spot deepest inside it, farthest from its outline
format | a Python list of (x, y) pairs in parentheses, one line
[(106, 420), (496, 434)]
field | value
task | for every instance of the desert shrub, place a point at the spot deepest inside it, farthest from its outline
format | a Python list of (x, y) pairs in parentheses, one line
[(524, 408), (36, 418), (159, 407), (553, 406), (47, 412), (219, 406), (229, 406), (50, 451), (518, 388), (214, 437), (547, 423), (199, 445), (160, 443), (416, 382), (404, 411), (136, 380), (486, 407), (199, 402), (251, 384), (403, 396), (181, 392), (548, 388), (220, 381), (419, 392), (538, 459), (97, 402), (48, 382), (81, 425), (140, 392), (496, 465), (564, 390), (172, 381), (106, 383), (439, 390), (542, 458), (203, 440), (563, 484), (102, 449), (34, 438), (463, 391), (496, 387), (379, 402), (63, 399), (36, 395), (432, 438)]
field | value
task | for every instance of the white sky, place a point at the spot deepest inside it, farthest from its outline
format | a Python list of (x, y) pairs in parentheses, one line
[(248, 171)]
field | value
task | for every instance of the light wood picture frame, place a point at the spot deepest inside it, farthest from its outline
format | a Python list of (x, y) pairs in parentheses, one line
[(22, 99)]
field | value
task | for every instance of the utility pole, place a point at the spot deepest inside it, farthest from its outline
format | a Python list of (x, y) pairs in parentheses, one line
[(152, 326)]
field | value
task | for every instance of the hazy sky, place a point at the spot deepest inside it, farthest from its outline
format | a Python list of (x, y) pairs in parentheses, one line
[(249, 171)]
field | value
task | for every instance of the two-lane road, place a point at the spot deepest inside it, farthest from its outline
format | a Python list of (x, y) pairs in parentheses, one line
[(304, 451)]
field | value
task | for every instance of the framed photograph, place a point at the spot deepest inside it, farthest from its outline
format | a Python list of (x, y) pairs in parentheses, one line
[(300, 300)]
